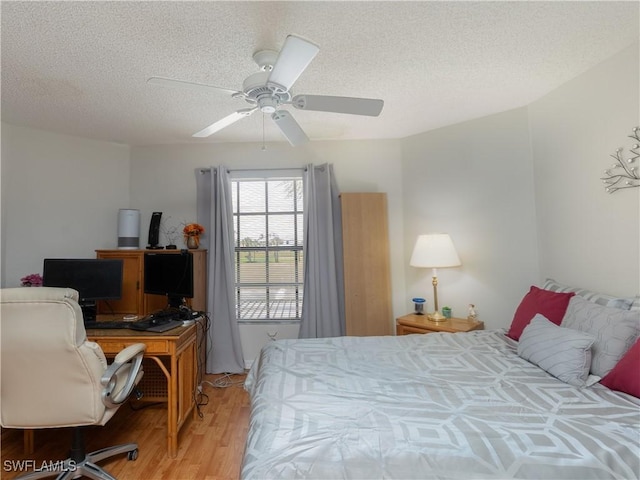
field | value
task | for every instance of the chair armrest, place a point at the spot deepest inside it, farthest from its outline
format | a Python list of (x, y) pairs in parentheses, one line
[(122, 375), (130, 352)]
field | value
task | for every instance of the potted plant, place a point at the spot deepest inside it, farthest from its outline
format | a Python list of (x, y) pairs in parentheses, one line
[(192, 232), (31, 280), (446, 311)]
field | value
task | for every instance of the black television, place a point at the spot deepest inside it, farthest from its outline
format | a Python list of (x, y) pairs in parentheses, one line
[(169, 274), (94, 279)]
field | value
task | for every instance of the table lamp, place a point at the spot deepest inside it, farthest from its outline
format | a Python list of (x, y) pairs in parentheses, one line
[(434, 251)]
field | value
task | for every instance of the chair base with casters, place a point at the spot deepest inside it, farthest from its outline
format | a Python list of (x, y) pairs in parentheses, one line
[(81, 464)]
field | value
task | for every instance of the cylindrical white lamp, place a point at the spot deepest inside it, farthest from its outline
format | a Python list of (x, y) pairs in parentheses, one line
[(434, 251), (128, 229)]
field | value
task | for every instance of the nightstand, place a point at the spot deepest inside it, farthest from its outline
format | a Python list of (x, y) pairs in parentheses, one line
[(413, 323)]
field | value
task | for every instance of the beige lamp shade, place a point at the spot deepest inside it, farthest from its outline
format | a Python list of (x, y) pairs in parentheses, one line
[(434, 251)]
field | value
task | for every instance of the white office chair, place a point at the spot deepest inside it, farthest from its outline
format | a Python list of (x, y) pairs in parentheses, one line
[(53, 377)]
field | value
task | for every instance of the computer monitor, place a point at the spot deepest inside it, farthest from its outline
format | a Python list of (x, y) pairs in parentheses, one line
[(93, 278), (169, 274)]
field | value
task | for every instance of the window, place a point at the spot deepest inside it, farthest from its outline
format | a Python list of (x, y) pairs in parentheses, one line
[(268, 232)]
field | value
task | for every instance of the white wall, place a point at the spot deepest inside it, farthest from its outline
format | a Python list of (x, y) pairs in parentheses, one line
[(518, 191), (60, 198), (163, 179), (521, 195), (474, 181), (588, 237)]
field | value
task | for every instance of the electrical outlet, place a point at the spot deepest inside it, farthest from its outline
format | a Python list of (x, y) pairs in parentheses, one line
[(199, 388)]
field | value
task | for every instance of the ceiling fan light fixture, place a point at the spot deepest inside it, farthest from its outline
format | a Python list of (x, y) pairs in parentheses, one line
[(268, 104)]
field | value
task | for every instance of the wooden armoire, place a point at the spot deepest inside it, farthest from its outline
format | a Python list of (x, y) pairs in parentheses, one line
[(367, 269)]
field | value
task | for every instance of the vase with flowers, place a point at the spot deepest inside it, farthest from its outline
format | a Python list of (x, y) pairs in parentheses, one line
[(31, 280), (192, 232)]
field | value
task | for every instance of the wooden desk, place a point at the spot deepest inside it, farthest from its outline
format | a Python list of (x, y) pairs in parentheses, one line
[(175, 354)]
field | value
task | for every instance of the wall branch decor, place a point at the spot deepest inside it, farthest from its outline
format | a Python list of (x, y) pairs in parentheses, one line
[(624, 173)]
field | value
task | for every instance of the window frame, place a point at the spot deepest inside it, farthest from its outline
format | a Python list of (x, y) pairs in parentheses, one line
[(266, 249)]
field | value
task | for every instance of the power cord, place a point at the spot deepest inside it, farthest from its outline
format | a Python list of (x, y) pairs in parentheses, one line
[(225, 381), (201, 399)]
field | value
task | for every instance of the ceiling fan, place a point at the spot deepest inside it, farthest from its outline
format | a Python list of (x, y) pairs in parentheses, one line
[(270, 88)]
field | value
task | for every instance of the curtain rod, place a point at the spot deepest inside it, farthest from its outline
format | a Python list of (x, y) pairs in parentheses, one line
[(302, 169)]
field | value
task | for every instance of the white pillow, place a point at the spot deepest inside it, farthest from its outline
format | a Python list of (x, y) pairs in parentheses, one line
[(562, 352), (615, 330)]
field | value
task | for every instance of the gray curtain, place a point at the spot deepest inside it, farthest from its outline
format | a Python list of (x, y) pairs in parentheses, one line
[(224, 350), (323, 304)]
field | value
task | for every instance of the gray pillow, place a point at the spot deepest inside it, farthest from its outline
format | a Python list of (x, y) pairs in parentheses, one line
[(562, 352), (615, 330), (595, 297)]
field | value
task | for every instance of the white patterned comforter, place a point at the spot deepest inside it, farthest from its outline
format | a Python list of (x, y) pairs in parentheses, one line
[(461, 406)]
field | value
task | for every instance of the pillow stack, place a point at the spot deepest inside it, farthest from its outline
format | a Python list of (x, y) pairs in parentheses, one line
[(572, 332)]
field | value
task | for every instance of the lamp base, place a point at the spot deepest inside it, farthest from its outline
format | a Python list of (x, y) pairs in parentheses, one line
[(436, 317)]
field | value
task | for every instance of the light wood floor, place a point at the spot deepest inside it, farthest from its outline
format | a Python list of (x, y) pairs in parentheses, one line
[(210, 447)]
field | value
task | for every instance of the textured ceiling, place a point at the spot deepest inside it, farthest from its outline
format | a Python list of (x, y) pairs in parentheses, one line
[(80, 68)]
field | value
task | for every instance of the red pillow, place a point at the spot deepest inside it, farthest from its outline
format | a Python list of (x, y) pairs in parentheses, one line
[(625, 376), (552, 305)]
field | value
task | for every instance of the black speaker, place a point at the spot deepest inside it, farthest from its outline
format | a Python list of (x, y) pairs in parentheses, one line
[(154, 230)]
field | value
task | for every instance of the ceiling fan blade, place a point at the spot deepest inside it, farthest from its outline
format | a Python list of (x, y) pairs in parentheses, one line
[(294, 58), (324, 103), (224, 122), (169, 82), (289, 127)]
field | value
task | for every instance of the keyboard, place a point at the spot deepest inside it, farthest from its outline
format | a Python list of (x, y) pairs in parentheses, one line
[(106, 324), (157, 322), (163, 327)]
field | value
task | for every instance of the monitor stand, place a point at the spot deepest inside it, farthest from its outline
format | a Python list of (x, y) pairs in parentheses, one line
[(89, 310), (175, 301)]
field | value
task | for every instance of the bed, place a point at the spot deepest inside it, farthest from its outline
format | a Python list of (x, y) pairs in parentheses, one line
[(463, 405)]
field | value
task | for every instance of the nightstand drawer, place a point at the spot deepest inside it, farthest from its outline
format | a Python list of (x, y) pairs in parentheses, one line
[(421, 324), (407, 330)]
